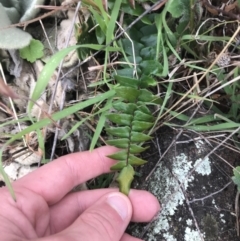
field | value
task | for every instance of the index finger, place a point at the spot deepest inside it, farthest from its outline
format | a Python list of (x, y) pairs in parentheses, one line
[(54, 180)]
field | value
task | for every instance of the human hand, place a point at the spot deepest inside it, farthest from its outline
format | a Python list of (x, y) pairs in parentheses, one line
[(46, 210)]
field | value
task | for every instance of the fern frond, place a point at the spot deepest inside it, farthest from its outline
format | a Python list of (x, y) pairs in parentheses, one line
[(132, 119)]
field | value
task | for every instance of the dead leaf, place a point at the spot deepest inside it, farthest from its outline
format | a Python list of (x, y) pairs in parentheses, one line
[(159, 5), (6, 90), (210, 8), (132, 3), (230, 7), (105, 5)]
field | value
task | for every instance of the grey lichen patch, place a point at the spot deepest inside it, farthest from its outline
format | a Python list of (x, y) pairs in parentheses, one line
[(203, 166), (189, 222), (221, 218), (170, 193), (199, 146), (192, 235)]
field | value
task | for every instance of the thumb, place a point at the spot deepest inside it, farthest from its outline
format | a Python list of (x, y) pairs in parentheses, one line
[(106, 220)]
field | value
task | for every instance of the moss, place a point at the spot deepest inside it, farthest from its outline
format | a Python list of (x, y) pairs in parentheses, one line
[(210, 227)]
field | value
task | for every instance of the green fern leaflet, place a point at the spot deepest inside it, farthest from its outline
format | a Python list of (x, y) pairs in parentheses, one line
[(132, 119)]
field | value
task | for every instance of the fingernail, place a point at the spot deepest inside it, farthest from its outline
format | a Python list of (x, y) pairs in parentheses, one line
[(119, 203)]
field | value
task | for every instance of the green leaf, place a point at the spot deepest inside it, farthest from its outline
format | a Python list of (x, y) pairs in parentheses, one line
[(14, 121), (129, 82), (122, 132), (100, 35), (147, 96), (137, 11), (147, 81), (112, 21), (125, 179), (126, 72), (135, 149), (123, 143), (120, 119), (120, 155), (101, 28), (127, 46), (133, 160), (148, 53), (139, 115), (168, 31), (11, 38), (99, 19), (127, 108), (175, 8), (118, 166), (100, 125), (120, 143), (33, 51), (218, 127), (130, 60), (236, 177), (141, 125), (127, 93), (142, 107), (150, 41), (139, 137), (149, 67)]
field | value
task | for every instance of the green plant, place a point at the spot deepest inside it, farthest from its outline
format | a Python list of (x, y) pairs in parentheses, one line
[(236, 177), (132, 118), (33, 51)]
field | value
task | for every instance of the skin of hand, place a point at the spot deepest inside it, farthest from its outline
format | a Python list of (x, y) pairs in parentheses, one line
[(46, 210)]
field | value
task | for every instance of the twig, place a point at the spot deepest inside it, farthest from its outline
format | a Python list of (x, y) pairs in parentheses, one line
[(200, 138), (24, 24), (100, 67), (210, 195), (46, 36), (191, 211)]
